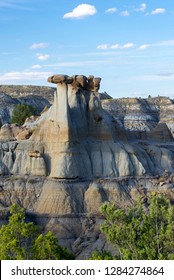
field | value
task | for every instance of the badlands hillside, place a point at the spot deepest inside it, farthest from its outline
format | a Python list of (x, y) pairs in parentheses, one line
[(83, 150), (19, 91)]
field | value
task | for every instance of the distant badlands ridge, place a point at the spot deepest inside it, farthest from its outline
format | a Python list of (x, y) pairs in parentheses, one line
[(27, 90), (24, 90)]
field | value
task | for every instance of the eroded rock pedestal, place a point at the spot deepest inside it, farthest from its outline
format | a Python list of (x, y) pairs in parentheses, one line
[(76, 131), (81, 140)]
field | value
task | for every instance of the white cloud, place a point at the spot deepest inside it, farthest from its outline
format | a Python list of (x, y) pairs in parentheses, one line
[(125, 13), (81, 11), (128, 46), (111, 10), (103, 47), (158, 11), (36, 66), (116, 46), (143, 47), (24, 76), (42, 57), (141, 8), (38, 46), (169, 43)]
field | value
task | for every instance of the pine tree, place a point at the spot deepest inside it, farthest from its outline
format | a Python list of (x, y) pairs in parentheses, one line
[(21, 112)]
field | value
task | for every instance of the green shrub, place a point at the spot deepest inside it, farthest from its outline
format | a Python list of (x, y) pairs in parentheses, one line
[(21, 240), (138, 234), (104, 255), (21, 112)]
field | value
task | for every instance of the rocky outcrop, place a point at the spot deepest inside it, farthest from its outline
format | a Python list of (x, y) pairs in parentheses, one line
[(7, 104), (12, 132), (75, 121), (82, 152), (139, 117), (15, 158), (25, 91), (71, 208), (90, 144), (161, 133), (77, 138)]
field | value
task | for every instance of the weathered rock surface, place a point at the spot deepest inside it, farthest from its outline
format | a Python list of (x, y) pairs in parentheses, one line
[(7, 104), (140, 117), (71, 208), (83, 152), (79, 139), (12, 132), (90, 143), (24, 91)]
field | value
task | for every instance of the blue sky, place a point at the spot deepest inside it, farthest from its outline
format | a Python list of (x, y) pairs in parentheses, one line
[(129, 44)]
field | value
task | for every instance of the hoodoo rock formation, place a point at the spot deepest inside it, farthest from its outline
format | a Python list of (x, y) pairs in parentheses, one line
[(76, 132), (79, 155), (77, 138)]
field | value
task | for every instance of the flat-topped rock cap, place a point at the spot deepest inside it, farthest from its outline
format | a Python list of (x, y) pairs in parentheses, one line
[(60, 79), (89, 83)]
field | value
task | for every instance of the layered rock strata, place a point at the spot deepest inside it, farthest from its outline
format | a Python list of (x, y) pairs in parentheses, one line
[(82, 140), (81, 154), (71, 208), (142, 118), (77, 138)]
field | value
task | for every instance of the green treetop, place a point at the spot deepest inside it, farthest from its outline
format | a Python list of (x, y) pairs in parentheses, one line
[(138, 233), (21, 112), (21, 240)]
